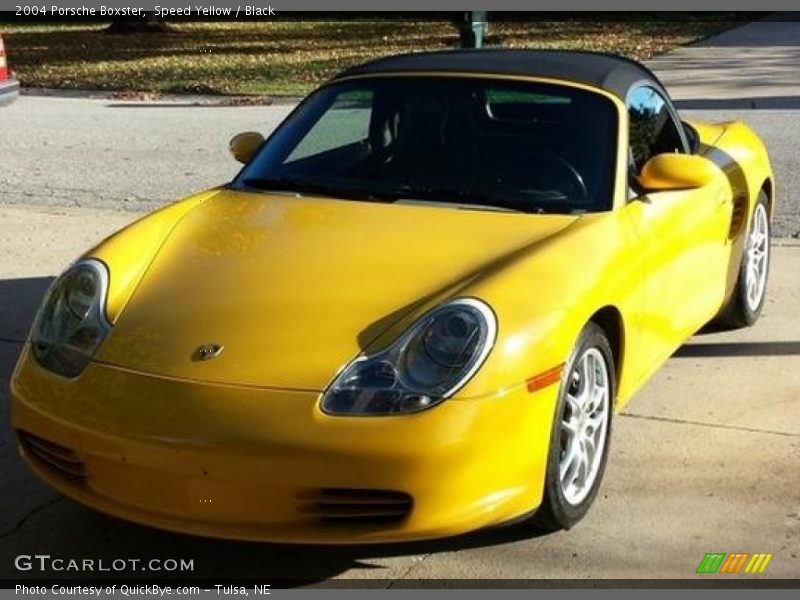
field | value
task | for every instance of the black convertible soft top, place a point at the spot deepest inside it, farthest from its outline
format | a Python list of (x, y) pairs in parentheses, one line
[(610, 72)]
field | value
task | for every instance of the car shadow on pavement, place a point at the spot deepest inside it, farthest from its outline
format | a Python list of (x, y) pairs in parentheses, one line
[(19, 299), (787, 348), (35, 519), (66, 529)]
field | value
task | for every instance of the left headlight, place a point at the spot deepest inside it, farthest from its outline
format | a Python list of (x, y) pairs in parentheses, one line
[(429, 363), (71, 323)]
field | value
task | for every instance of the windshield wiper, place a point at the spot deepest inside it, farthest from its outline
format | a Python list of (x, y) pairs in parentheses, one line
[(468, 198), (460, 196), (307, 186)]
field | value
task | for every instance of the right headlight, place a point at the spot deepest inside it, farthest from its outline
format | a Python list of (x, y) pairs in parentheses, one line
[(429, 363), (71, 323)]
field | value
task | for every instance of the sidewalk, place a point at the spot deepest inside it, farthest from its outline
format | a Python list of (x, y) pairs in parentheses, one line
[(753, 66)]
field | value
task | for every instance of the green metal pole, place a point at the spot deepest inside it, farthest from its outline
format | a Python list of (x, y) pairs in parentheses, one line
[(471, 28)]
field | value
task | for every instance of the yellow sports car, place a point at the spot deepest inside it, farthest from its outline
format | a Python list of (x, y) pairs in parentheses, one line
[(411, 314)]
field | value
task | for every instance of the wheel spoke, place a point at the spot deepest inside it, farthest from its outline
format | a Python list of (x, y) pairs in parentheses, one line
[(589, 448), (600, 396), (574, 404), (593, 365), (585, 382), (582, 472), (570, 462), (596, 421), (571, 427)]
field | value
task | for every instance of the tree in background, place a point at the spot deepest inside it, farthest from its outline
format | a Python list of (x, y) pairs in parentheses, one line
[(149, 24)]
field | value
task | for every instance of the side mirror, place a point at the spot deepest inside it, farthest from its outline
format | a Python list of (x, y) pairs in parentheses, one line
[(244, 145), (677, 172)]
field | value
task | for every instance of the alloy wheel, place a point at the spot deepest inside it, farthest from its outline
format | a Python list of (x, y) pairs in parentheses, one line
[(757, 258), (584, 424)]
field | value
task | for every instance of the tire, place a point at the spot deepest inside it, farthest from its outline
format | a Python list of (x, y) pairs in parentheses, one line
[(564, 504), (747, 299)]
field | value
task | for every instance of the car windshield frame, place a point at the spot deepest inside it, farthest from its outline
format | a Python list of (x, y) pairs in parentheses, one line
[(270, 170)]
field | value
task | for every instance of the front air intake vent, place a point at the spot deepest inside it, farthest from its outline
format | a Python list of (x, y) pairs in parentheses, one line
[(355, 505), (53, 456)]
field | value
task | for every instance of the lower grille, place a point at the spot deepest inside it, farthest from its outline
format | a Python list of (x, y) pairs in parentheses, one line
[(356, 505), (57, 458)]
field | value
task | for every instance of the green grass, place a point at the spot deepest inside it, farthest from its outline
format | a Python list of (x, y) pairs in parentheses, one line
[(289, 58)]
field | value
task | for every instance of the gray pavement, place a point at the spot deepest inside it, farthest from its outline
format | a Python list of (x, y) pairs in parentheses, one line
[(120, 155), (136, 156), (704, 459), (752, 66)]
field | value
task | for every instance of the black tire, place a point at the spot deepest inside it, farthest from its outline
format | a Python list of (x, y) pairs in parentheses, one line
[(556, 512), (738, 312)]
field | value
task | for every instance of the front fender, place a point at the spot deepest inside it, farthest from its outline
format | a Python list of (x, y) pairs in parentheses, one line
[(130, 251), (546, 296)]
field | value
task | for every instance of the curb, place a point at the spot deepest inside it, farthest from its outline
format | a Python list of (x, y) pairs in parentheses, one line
[(154, 97)]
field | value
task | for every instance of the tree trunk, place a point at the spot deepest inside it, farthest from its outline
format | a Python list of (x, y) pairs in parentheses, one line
[(150, 24)]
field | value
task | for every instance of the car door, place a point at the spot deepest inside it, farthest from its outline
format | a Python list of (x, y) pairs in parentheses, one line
[(682, 232)]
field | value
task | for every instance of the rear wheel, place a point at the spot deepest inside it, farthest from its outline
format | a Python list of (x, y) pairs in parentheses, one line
[(748, 296), (581, 432)]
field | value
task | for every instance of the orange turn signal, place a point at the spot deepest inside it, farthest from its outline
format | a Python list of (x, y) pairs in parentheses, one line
[(542, 380)]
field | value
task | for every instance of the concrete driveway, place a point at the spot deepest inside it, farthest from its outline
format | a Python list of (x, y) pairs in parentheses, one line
[(706, 458), (752, 66)]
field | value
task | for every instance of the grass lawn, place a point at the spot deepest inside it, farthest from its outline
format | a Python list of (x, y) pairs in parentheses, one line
[(281, 58)]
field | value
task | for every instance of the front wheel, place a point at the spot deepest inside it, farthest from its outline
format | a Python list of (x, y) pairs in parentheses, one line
[(581, 432), (748, 296)]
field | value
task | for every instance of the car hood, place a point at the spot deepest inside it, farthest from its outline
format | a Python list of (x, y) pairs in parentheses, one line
[(293, 288)]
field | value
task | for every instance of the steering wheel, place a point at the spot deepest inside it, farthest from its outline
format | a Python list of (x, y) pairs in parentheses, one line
[(551, 161)]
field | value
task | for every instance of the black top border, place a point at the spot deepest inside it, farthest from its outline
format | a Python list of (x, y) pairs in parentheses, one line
[(709, 583), (492, 16)]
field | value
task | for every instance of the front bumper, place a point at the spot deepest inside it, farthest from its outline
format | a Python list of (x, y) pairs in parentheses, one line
[(268, 465), (9, 91)]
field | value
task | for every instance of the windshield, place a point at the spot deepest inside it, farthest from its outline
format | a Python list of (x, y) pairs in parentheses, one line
[(477, 143)]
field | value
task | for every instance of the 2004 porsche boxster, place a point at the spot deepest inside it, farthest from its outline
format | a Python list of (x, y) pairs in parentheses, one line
[(412, 313)]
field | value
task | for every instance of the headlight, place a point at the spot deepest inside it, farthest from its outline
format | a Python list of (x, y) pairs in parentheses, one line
[(426, 365), (71, 324)]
